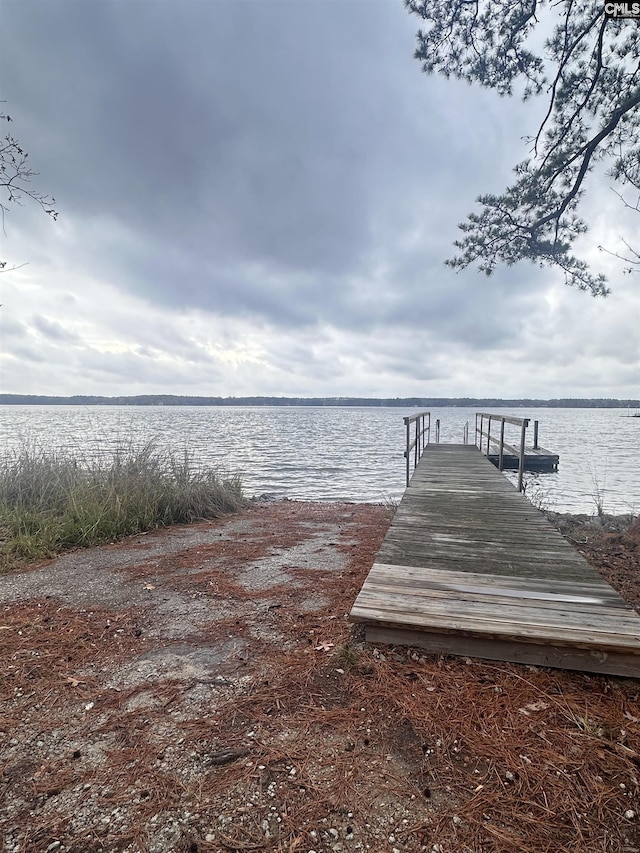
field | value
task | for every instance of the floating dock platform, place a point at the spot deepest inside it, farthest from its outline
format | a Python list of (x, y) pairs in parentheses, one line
[(535, 459)]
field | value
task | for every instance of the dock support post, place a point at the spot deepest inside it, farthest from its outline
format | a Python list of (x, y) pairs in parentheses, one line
[(523, 431), (406, 453), (416, 447)]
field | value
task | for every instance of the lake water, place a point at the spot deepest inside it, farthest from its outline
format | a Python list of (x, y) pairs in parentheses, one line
[(353, 454)]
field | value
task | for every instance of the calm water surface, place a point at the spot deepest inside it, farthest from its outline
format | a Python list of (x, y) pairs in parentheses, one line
[(353, 454)]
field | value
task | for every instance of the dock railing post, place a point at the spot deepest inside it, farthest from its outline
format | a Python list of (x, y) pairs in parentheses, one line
[(523, 431), (535, 435), (437, 430), (420, 439), (501, 459), (406, 453), (488, 436)]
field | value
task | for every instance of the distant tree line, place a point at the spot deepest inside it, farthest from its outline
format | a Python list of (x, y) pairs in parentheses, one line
[(406, 402)]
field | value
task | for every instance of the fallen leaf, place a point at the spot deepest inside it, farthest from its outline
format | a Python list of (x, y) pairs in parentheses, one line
[(534, 706), (629, 716), (225, 756), (324, 647), (72, 681)]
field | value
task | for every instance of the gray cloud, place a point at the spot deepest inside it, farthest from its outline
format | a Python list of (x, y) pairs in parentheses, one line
[(255, 191), (12, 329), (52, 330), (25, 353)]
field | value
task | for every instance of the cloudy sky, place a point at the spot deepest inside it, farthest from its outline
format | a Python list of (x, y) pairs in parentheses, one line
[(257, 197)]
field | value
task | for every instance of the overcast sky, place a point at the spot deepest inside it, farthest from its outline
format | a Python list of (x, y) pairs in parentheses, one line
[(257, 197)]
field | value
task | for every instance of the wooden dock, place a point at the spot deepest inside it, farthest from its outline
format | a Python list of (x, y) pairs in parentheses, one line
[(469, 567)]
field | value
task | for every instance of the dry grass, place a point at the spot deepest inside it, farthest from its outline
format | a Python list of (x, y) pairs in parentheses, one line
[(51, 501)]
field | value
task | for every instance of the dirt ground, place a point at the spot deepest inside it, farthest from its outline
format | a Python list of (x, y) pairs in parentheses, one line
[(200, 690)]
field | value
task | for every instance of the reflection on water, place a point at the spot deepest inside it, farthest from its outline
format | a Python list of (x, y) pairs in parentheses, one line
[(353, 454)]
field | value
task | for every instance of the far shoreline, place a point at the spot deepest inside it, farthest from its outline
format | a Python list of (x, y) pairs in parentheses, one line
[(320, 402)]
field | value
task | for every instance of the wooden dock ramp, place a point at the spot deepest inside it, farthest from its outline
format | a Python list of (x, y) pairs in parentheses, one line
[(469, 567)]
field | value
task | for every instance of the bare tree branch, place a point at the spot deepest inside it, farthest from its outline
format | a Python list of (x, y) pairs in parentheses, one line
[(15, 183)]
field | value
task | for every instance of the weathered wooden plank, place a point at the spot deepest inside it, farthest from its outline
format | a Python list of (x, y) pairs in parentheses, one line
[(434, 549), (562, 657), (396, 600), (568, 613), (460, 562), (440, 515), (505, 608), (513, 538), (556, 587), (527, 571), (486, 626), (507, 420), (452, 538), (447, 555), (582, 606)]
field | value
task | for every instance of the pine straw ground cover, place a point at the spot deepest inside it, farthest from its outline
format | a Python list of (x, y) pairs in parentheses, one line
[(199, 689)]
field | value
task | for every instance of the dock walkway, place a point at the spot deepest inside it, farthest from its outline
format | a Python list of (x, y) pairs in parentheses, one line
[(470, 567)]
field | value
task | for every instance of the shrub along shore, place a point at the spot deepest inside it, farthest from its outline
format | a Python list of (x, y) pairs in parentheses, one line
[(50, 501)]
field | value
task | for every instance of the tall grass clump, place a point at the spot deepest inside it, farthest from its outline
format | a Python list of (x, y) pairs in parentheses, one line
[(51, 501)]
